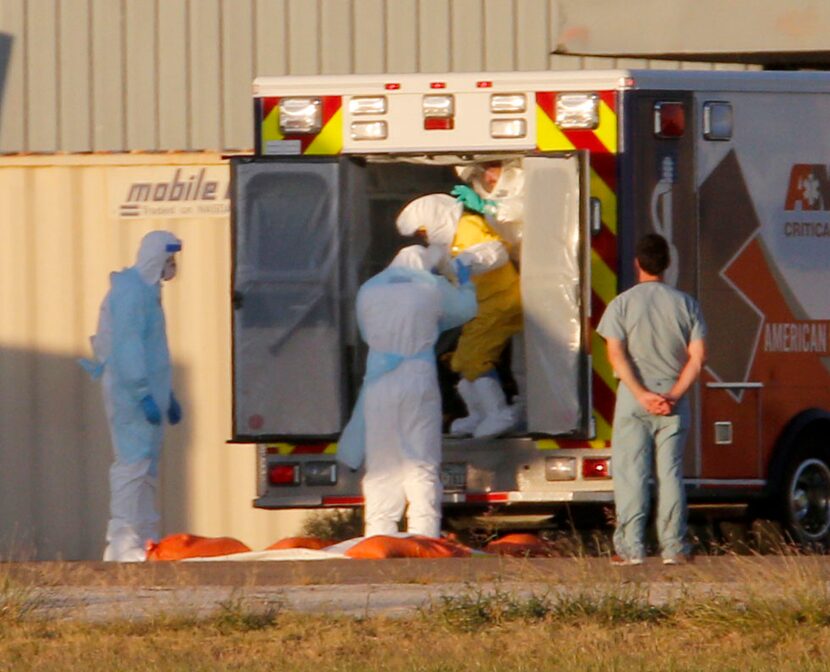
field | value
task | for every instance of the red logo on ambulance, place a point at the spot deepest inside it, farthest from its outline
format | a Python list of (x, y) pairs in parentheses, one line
[(809, 187)]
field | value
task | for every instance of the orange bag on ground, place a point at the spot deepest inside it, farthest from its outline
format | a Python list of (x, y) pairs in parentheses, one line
[(521, 545), (181, 546), (313, 543), (381, 547)]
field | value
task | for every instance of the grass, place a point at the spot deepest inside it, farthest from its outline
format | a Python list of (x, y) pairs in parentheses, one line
[(570, 636), (18, 601), (236, 614), (773, 615), (335, 524)]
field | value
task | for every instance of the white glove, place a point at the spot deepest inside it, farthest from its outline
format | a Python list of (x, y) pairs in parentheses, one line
[(484, 257)]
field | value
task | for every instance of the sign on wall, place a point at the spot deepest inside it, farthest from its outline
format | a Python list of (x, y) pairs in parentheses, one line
[(169, 191)]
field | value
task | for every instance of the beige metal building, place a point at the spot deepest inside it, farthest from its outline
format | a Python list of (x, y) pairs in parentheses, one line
[(106, 75), (96, 95)]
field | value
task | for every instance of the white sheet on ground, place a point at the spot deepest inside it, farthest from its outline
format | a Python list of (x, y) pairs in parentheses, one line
[(333, 552), (283, 554)]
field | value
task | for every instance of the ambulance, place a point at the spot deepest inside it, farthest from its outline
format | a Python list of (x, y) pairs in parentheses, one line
[(732, 168)]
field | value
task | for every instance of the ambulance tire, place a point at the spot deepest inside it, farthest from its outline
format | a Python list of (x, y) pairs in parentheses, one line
[(804, 497)]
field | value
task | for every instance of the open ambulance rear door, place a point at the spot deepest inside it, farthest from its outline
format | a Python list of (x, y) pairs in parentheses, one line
[(556, 286), (297, 251)]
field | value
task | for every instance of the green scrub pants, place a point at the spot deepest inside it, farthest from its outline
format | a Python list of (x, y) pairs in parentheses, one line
[(640, 439)]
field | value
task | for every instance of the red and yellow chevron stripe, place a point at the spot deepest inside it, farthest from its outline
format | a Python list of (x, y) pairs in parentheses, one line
[(322, 448), (601, 142), (327, 142)]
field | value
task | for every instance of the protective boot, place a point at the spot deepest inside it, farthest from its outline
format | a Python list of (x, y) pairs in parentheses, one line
[(125, 545), (498, 416), (466, 425)]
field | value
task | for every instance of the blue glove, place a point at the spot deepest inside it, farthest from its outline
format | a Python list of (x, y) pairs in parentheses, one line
[(462, 271), (151, 410), (468, 198), (174, 411)]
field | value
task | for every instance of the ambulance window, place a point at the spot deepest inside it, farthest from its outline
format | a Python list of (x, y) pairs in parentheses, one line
[(287, 217), (717, 120)]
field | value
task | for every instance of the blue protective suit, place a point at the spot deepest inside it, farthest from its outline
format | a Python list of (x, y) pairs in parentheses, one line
[(396, 423), (132, 356)]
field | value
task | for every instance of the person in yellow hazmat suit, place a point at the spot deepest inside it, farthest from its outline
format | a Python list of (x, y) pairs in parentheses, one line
[(466, 235), (495, 190)]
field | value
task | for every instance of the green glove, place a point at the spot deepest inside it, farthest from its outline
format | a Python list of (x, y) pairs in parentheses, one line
[(470, 199)]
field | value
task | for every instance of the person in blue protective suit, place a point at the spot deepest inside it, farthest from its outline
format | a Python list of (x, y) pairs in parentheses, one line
[(397, 419), (132, 357)]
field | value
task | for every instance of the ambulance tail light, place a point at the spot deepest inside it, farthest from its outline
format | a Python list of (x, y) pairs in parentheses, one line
[(439, 124), (369, 130), (367, 105), (669, 119), (502, 103), (439, 112), (577, 110), (284, 474), (596, 467), (301, 116), (508, 128)]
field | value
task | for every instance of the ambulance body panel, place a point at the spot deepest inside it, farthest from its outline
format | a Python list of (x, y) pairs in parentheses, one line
[(731, 167)]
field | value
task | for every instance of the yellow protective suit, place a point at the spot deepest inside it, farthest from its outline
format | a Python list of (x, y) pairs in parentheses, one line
[(499, 304)]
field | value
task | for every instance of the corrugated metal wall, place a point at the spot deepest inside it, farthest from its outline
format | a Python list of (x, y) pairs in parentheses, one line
[(146, 75), (60, 236), (113, 75)]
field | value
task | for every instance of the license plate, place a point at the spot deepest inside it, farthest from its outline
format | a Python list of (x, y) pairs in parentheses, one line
[(454, 476)]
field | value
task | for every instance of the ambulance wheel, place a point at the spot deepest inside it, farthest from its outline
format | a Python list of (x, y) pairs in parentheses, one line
[(806, 498)]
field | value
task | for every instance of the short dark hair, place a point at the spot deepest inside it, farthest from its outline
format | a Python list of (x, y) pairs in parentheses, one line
[(653, 254)]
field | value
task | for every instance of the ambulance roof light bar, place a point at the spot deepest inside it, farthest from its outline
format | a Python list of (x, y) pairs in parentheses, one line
[(367, 105), (508, 128), (439, 112), (577, 111), (369, 130), (301, 116), (503, 103)]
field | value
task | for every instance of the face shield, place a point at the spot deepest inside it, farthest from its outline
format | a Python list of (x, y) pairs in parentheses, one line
[(170, 268), (154, 253)]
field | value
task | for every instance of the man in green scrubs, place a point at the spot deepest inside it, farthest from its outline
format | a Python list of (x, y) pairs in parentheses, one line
[(655, 339)]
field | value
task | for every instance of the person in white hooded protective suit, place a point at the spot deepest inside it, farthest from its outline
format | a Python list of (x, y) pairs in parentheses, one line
[(397, 420), (132, 356), (466, 236)]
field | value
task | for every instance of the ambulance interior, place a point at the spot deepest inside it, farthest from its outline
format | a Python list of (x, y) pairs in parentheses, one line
[(308, 233), (553, 321)]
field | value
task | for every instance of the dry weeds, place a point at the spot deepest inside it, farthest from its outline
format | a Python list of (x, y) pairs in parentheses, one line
[(772, 615)]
